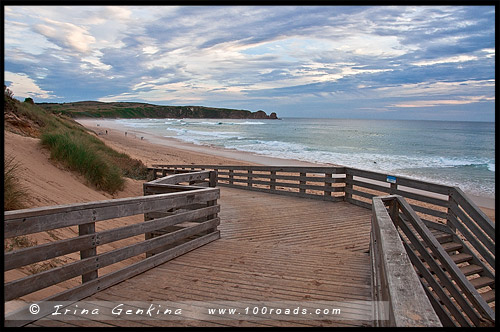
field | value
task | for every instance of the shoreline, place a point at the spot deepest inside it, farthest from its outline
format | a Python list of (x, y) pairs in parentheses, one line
[(219, 155)]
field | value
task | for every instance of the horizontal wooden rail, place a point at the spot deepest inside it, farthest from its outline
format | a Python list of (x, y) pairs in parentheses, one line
[(394, 279), (473, 225), (183, 216), (437, 268), (26, 256), (434, 203), (23, 222), (325, 183)]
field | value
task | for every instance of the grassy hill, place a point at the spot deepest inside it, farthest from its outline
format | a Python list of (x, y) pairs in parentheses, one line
[(94, 109), (70, 144)]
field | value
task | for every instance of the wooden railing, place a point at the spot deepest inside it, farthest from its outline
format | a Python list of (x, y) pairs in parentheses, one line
[(438, 207), (181, 220), (469, 222), (435, 204), (394, 280), (455, 300), (325, 183)]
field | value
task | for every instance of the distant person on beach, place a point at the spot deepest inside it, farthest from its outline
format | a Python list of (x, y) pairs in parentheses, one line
[(106, 131), (125, 133)]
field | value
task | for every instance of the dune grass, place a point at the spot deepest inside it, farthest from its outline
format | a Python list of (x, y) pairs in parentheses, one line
[(15, 195), (70, 148)]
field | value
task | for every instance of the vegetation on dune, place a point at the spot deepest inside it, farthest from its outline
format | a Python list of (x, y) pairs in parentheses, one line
[(75, 147), (125, 110), (72, 149), (15, 195)]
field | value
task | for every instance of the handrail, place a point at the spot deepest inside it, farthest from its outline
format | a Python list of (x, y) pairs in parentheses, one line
[(432, 202), (393, 278), (325, 183), (473, 224), (191, 223), (417, 238)]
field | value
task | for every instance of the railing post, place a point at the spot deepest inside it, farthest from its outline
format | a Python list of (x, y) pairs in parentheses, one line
[(272, 186), (394, 211), (212, 183), (302, 183), (394, 187), (249, 178), (328, 185), (86, 229), (348, 186), (147, 235), (212, 180), (451, 204), (231, 175)]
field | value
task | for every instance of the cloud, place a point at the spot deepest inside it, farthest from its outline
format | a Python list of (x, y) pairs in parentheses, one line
[(452, 59), (433, 103), (66, 35), (22, 85)]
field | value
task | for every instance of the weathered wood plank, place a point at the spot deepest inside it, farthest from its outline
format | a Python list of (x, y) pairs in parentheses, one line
[(88, 229), (300, 185), (36, 220), (285, 177), (50, 250), (478, 246), (29, 284), (157, 188), (438, 290), (370, 186), (437, 269), (431, 212), (298, 169), (399, 284), (328, 184), (110, 279), (473, 228), (411, 183), (469, 291), (186, 177), (479, 217), (285, 193)]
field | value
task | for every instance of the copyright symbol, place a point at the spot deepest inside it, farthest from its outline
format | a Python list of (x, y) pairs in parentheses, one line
[(34, 309)]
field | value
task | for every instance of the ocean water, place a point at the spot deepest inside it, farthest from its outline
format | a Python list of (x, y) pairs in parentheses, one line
[(451, 153)]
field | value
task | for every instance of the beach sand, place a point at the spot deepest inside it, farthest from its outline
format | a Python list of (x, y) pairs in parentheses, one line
[(154, 149)]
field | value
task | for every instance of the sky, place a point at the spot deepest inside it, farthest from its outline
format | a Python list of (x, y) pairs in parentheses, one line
[(371, 62)]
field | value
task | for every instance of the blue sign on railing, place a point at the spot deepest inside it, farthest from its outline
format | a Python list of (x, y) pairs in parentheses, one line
[(391, 179)]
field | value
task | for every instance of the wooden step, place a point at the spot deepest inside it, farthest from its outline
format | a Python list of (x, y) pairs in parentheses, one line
[(443, 237), (489, 296), (451, 246), (482, 282), (471, 269), (461, 257)]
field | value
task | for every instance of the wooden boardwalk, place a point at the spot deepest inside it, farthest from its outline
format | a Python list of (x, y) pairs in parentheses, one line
[(272, 248)]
